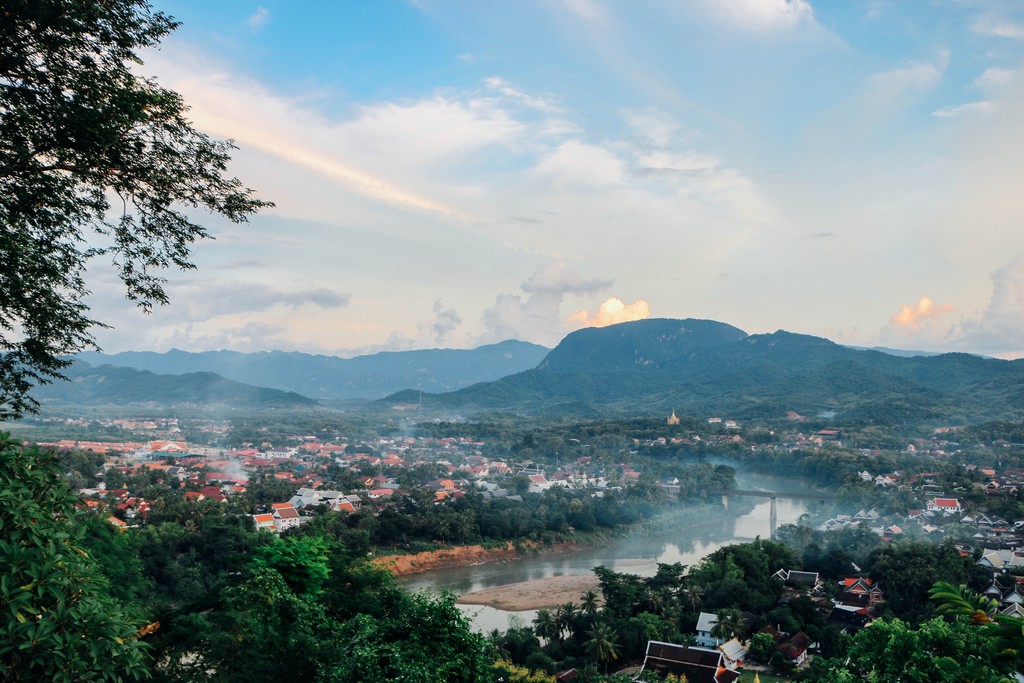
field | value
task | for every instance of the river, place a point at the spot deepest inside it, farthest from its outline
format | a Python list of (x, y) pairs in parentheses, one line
[(686, 543)]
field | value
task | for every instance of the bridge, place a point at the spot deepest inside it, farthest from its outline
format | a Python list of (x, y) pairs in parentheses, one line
[(772, 496)]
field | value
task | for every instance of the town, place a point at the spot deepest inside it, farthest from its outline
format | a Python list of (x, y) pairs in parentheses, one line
[(941, 493)]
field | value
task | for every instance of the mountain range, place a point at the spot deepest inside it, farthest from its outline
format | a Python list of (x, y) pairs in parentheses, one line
[(321, 377), (121, 386), (705, 367), (647, 367)]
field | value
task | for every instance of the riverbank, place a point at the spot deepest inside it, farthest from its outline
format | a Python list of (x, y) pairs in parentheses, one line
[(470, 555)]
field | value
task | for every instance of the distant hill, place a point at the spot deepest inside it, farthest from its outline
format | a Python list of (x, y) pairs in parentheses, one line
[(330, 377), (709, 368), (112, 385)]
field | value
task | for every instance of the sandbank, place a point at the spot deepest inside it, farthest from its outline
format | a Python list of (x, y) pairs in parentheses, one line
[(536, 594)]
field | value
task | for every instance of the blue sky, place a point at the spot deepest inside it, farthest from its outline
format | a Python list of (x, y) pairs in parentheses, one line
[(448, 174)]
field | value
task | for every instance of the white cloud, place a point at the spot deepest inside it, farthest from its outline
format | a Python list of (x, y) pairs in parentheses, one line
[(996, 330), (516, 95), (999, 28), (427, 184), (892, 87), (444, 323), (589, 11), (993, 78), (999, 328), (652, 127), (981, 107), (259, 19), (764, 15), (578, 163), (611, 312), (204, 299), (537, 316)]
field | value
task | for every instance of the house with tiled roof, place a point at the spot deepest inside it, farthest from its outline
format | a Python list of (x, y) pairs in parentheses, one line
[(859, 592), (265, 521), (1001, 559), (947, 506), (213, 493), (798, 579), (697, 664), (285, 515)]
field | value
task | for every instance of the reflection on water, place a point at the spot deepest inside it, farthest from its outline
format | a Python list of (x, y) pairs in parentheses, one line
[(687, 543)]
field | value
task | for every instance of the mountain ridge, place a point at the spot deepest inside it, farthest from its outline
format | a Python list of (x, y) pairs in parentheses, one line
[(325, 377), (659, 365)]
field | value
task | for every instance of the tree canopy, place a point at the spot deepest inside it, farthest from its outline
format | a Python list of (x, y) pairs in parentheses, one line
[(94, 160), (60, 622)]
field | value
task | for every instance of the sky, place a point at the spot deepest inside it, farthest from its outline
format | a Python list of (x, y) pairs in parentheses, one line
[(456, 173)]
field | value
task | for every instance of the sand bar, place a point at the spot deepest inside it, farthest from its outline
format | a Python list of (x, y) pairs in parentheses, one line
[(537, 594)]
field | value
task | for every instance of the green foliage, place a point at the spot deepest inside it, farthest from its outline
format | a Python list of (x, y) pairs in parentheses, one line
[(78, 126), (603, 644), (59, 622), (761, 647), (507, 671), (908, 570), (301, 562), (1006, 633), (740, 576), (262, 631), (426, 640), (893, 651)]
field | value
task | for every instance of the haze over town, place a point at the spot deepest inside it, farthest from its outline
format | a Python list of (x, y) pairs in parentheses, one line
[(451, 174)]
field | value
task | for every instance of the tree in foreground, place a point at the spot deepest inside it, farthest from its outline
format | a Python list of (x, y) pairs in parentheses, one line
[(58, 623), (94, 160), (603, 645), (978, 645)]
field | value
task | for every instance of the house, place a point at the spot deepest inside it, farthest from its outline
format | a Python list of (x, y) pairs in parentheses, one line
[(265, 521), (697, 664), (858, 593), (705, 625), (119, 524), (946, 506), (285, 515), (1001, 559), (798, 579), (213, 493), (795, 649), (733, 653)]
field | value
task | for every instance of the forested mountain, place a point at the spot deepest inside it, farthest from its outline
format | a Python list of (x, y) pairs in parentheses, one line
[(330, 377), (705, 367), (108, 384)]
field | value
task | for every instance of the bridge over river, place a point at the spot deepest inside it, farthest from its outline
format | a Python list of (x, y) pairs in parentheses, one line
[(772, 496)]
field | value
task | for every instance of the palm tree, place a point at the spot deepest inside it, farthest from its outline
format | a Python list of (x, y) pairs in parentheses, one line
[(729, 624), (545, 625), (694, 595), (602, 645), (565, 617), (494, 639), (588, 603), (958, 600)]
